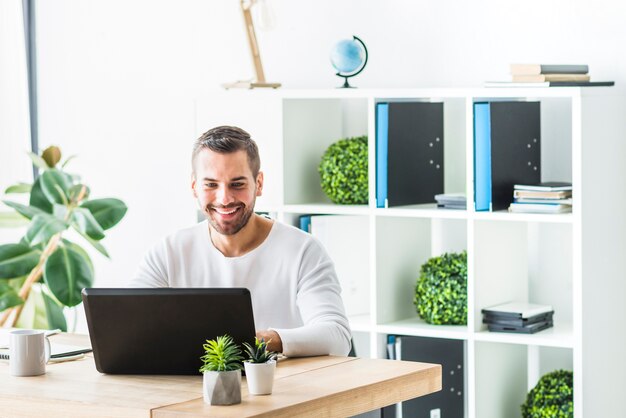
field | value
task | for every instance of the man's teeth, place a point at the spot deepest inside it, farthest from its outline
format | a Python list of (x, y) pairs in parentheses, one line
[(226, 212)]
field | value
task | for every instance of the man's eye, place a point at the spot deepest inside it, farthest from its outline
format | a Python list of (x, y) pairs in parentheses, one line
[(211, 185), (238, 185)]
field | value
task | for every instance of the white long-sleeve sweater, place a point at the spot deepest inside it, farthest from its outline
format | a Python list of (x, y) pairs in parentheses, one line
[(292, 281)]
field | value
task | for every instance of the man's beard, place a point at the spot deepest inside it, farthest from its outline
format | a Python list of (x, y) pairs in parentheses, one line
[(229, 227)]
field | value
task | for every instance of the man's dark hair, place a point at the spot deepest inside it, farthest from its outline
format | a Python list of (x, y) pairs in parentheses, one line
[(228, 139)]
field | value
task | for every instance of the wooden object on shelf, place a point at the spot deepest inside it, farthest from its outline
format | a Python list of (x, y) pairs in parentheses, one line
[(259, 81), (344, 386)]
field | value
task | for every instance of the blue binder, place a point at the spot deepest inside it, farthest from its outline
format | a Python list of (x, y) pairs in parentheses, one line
[(482, 157), (382, 129)]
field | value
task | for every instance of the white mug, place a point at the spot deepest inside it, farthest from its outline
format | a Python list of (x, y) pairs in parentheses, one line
[(29, 351)]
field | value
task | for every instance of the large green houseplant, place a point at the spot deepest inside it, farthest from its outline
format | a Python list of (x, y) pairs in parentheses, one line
[(44, 269)]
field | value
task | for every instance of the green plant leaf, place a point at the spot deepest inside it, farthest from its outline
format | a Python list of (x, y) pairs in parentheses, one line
[(76, 190), (87, 224), (66, 274), (107, 212), (26, 211), (8, 296), (55, 185), (38, 161), (34, 311), (19, 188), (43, 227), (221, 354), (17, 260), (70, 158), (59, 211), (93, 242), (81, 251), (12, 220), (54, 312), (38, 199)]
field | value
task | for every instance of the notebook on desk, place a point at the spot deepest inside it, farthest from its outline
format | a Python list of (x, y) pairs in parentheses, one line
[(161, 331)]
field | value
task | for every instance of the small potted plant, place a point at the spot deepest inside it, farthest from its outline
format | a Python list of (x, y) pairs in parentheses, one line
[(222, 371), (260, 366)]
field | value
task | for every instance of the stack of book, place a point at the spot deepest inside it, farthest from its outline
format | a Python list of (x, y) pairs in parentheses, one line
[(518, 317), (538, 73), (451, 201), (547, 197), (549, 75)]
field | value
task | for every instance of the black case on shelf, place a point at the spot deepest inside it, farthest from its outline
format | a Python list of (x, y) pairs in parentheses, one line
[(415, 152), (515, 149), (447, 352)]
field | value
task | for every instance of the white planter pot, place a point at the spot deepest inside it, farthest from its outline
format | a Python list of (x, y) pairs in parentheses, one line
[(222, 388), (260, 377)]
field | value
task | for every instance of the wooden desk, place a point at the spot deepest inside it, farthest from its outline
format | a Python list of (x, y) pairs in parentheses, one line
[(309, 387)]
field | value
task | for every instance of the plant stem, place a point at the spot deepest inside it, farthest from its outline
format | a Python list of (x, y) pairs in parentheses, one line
[(10, 317)]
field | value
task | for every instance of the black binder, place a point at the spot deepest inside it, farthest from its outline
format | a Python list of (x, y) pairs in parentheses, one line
[(515, 149), (450, 354), (415, 152)]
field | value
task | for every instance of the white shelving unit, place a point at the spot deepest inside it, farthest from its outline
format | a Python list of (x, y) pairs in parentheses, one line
[(570, 261)]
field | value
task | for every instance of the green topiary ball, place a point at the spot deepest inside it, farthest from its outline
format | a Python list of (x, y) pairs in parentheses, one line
[(441, 290), (343, 171), (552, 397)]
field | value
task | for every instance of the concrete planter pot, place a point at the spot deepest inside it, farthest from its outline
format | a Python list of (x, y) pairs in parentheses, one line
[(222, 388), (260, 377)]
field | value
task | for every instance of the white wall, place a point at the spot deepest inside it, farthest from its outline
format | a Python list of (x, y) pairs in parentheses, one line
[(14, 125), (118, 78)]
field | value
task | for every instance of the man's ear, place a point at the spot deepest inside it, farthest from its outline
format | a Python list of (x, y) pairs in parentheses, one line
[(193, 185), (259, 184)]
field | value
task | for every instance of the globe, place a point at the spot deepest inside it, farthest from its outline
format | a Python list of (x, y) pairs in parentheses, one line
[(347, 56)]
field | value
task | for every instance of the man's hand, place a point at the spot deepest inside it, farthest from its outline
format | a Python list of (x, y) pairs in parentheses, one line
[(274, 343)]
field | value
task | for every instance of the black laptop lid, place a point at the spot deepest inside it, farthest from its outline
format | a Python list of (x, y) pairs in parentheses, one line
[(162, 330)]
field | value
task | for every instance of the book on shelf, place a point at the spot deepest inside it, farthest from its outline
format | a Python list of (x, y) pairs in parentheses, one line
[(541, 201), (549, 77), (506, 84), (546, 186), (409, 146), (451, 201), (447, 352), (517, 207), (507, 151), (531, 69), (531, 194), (305, 223), (518, 317)]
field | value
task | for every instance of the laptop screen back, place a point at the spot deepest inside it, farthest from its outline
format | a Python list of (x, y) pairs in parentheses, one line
[(162, 330)]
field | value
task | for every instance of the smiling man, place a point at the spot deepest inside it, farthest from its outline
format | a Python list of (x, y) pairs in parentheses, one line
[(295, 292)]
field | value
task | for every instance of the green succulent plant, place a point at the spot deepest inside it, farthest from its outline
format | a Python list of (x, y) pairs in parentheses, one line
[(343, 171), (221, 355), (44, 272), (552, 397), (259, 353), (441, 290)]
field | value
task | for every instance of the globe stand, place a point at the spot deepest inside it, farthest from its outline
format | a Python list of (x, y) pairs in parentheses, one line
[(347, 85)]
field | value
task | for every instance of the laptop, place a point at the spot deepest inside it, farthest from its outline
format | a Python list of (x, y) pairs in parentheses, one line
[(162, 330)]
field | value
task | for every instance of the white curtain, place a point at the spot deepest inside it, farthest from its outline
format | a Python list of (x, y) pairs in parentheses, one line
[(14, 121)]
